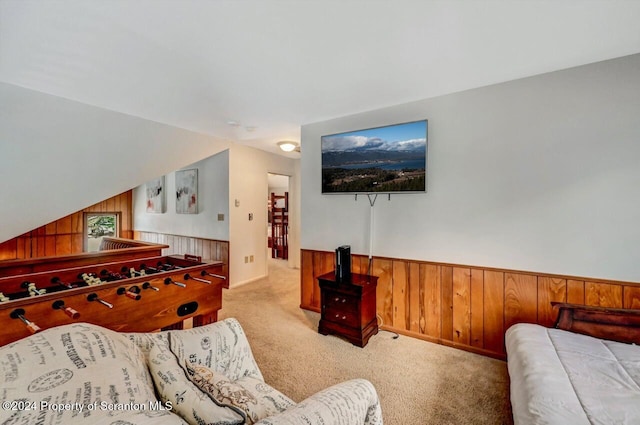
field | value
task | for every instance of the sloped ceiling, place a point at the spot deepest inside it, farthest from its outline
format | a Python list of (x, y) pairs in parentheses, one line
[(271, 66)]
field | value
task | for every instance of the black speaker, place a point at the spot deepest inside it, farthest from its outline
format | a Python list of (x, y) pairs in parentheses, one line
[(343, 263)]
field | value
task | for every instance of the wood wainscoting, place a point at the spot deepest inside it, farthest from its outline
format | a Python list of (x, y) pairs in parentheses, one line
[(208, 249), (66, 235), (466, 307)]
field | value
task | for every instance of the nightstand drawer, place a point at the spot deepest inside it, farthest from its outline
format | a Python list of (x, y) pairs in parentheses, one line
[(342, 316), (341, 302)]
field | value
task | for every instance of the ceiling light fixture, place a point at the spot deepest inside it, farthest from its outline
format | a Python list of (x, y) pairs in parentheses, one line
[(288, 146)]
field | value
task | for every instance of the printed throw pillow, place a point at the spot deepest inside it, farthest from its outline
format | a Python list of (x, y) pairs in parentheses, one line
[(185, 399), (78, 373), (222, 346), (254, 398)]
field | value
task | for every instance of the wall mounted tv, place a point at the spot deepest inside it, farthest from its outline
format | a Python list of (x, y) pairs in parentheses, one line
[(387, 159)]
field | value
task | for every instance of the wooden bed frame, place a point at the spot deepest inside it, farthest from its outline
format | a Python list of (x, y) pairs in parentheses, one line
[(617, 324)]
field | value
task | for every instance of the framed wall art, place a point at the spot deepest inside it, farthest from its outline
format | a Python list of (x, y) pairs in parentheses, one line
[(187, 191), (155, 193)]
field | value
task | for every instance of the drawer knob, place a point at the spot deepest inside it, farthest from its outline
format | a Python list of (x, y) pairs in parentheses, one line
[(337, 299), (344, 317), (337, 315), (344, 300)]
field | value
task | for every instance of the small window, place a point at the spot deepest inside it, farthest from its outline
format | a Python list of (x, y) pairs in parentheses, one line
[(97, 226)]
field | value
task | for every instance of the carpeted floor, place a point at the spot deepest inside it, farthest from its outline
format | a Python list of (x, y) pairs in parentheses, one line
[(419, 383)]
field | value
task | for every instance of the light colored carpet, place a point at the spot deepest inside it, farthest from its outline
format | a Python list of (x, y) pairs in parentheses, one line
[(418, 382)]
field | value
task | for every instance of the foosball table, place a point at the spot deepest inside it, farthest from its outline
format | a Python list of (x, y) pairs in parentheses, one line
[(135, 295)]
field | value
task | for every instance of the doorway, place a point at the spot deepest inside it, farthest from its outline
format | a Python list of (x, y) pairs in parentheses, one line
[(278, 216)]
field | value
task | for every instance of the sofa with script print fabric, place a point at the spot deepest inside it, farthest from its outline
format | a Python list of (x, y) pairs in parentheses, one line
[(83, 373)]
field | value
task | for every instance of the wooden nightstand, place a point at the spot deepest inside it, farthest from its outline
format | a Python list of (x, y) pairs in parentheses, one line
[(348, 309)]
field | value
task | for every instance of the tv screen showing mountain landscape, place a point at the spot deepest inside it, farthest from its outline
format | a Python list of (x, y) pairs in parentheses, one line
[(383, 159)]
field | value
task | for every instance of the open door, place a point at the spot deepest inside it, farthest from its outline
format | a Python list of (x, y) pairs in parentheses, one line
[(278, 216)]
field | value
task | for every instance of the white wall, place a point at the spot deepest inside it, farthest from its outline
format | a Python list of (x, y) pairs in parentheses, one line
[(58, 156), (249, 185), (213, 199), (539, 174)]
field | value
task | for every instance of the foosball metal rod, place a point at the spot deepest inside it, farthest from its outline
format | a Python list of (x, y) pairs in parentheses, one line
[(94, 297), (188, 276), (59, 305), (206, 273), (169, 281), (18, 313), (148, 285)]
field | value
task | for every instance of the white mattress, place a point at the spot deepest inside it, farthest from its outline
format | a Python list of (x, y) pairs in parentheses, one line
[(559, 377)]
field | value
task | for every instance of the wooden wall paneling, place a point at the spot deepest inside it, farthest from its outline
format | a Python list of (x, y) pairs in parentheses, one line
[(31, 244), (550, 289), (469, 307), (220, 250), (414, 297), (200, 246), (66, 235), (400, 292), (117, 203), (41, 242), (322, 263), (477, 308), (181, 244), (447, 302), (110, 205), (461, 305), (383, 268), (575, 291), (23, 246), (8, 249), (359, 264), (520, 299), (209, 249), (77, 223), (50, 229), (631, 297), (63, 225), (493, 304), (307, 280), (50, 245), (603, 294), (63, 245), (77, 242), (431, 281), (223, 251), (169, 240)]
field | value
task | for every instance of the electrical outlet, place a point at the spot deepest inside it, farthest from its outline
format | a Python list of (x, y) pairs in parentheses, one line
[(220, 217), (246, 259), (251, 258)]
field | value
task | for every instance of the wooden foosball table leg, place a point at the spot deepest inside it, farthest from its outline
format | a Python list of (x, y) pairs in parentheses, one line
[(205, 319), (175, 327)]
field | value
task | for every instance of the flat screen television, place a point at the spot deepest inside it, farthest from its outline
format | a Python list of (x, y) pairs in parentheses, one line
[(387, 159)]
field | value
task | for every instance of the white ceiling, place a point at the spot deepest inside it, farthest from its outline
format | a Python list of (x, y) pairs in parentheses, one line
[(276, 65)]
